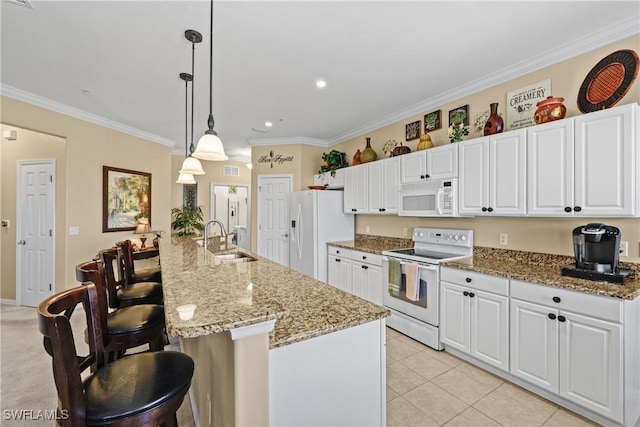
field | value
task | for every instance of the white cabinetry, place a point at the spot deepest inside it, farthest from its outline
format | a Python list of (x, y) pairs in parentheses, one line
[(331, 182), (475, 315), (366, 277), (570, 344), (384, 181), (492, 173), (435, 163), (356, 189), (585, 166), (339, 268)]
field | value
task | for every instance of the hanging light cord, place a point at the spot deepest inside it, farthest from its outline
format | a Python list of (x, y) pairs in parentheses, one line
[(210, 121), (186, 109), (193, 54)]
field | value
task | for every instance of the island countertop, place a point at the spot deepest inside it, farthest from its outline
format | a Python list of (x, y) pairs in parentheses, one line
[(230, 296)]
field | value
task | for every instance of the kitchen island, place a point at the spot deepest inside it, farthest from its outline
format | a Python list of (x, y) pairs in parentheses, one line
[(272, 346)]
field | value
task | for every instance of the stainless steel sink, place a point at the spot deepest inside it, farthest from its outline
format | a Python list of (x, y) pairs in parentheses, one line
[(235, 257)]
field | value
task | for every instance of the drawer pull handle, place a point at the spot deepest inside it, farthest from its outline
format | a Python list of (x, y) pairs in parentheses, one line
[(465, 293), (552, 316), (556, 299), (468, 280), (337, 259), (561, 319), (364, 257), (365, 267)]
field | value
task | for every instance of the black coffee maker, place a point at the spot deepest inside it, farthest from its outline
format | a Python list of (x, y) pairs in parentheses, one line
[(596, 248)]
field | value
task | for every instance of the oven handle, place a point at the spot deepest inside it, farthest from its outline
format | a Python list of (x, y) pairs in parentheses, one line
[(424, 266)]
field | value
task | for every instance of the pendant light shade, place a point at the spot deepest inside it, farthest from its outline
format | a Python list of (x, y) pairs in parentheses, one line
[(192, 166), (185, 178), (210, 146)]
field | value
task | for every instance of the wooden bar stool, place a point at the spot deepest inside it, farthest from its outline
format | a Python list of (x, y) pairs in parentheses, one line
[(121, 295), (131, 276), (143, 389), (127, 327)]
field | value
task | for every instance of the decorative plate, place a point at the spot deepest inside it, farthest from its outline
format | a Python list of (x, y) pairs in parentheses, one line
[(608, 81)]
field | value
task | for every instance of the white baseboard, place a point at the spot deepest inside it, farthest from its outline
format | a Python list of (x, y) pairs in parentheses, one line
[(7, 301)]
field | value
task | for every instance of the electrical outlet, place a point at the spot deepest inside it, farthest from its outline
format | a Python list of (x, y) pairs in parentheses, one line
[(624, 248), (504, 238), (405, 232)]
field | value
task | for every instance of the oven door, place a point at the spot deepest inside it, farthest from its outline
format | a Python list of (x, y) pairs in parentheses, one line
[(426, 307)]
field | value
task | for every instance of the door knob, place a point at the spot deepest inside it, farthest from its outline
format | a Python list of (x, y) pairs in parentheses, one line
[(22, 242), (285, 235)]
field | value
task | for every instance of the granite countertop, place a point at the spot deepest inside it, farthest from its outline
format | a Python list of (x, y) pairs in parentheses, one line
[(373, 244), (229, 296), (544, 269)]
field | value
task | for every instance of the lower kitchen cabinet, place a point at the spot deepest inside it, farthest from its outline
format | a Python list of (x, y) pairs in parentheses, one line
[(565, 348), (473, 320), (359, 273), (339, 268)]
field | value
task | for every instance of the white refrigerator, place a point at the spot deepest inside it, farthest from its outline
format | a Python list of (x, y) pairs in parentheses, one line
[(317, 217)]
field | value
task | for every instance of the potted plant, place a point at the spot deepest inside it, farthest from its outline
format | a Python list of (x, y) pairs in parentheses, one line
[(187, 220), (332, 161)]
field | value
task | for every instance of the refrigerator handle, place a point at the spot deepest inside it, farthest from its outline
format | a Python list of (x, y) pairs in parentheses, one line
[(298, 232)]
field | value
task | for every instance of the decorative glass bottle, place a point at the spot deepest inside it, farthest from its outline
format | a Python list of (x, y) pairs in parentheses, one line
[(495, 124)]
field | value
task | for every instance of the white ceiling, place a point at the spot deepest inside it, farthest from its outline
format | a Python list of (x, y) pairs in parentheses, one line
[(382, 60)]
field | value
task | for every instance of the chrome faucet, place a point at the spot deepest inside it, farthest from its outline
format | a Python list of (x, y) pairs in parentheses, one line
[(206, 233)]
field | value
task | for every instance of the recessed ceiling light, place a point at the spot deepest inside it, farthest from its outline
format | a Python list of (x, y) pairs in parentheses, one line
[(321, 83), (268, 124)]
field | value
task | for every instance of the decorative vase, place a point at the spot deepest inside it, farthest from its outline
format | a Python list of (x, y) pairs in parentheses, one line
[(356, 158), (368, 154), (550, 109), (494, 124), (425, 142)]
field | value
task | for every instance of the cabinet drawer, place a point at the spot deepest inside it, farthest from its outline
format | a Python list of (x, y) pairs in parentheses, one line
[(367, 257), (479, 281), (564, 299), (342, 252)]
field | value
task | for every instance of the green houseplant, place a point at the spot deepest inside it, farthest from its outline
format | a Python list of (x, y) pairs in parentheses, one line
[(187, 220), (333, 160)]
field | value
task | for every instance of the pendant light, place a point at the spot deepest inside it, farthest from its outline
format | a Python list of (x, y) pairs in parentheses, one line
[(191, 165), (185, 178), (209, 146)]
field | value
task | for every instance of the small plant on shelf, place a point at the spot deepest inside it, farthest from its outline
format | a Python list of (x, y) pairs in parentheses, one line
[(333, 160)]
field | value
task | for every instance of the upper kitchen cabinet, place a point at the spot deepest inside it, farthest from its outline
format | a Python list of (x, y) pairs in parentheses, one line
[(585, 166), (492, 174), (434, 163), (356, 189), (384, 181)]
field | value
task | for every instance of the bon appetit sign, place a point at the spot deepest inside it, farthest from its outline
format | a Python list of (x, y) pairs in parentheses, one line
[(275, 158)]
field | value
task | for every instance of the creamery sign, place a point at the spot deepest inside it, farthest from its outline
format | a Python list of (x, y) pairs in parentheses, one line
[(275, 158), (522, 104)]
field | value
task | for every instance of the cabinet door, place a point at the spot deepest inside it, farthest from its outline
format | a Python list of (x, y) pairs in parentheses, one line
[(413, 167), (339, 272), (442, 162), (473, 184), (356, 189), (507, 173), (358, 279), (489, 319), (591, 364), (376, 187), (374, 284), (390, 185), (605, 161), (550, 170), (454, 319), (534, 344)]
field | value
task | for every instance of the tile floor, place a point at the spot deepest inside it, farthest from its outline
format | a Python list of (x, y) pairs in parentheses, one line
[(433, 388)]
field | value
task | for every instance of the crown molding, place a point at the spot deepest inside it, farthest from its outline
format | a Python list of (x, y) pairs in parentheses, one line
[(623, 29), (58, 107), (261, 142)]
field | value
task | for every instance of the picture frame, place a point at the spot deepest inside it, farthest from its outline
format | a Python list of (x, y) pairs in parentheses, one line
[(412, 131), (126, 197), (432, 121), (190, 195), (459, 115)]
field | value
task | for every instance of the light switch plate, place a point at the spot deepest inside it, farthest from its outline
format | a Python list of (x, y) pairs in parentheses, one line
[(74, 231)]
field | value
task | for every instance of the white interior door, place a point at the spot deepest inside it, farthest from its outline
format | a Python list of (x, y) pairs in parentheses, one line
[(273, 217), (35, 253)]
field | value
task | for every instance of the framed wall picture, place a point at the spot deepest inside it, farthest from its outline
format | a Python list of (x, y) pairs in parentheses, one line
[(459, 115), (126, 197), (432, 121), (412, 131), (190, 195)]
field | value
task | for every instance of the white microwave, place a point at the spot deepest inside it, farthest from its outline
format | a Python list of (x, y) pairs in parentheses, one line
[(438, 197)]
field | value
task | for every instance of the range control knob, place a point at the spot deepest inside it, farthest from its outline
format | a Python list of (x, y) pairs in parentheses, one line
[(456, 237), (421, 234), (463, 238)]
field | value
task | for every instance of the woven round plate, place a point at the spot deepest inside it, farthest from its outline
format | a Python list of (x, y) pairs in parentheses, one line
[(608, 81)]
